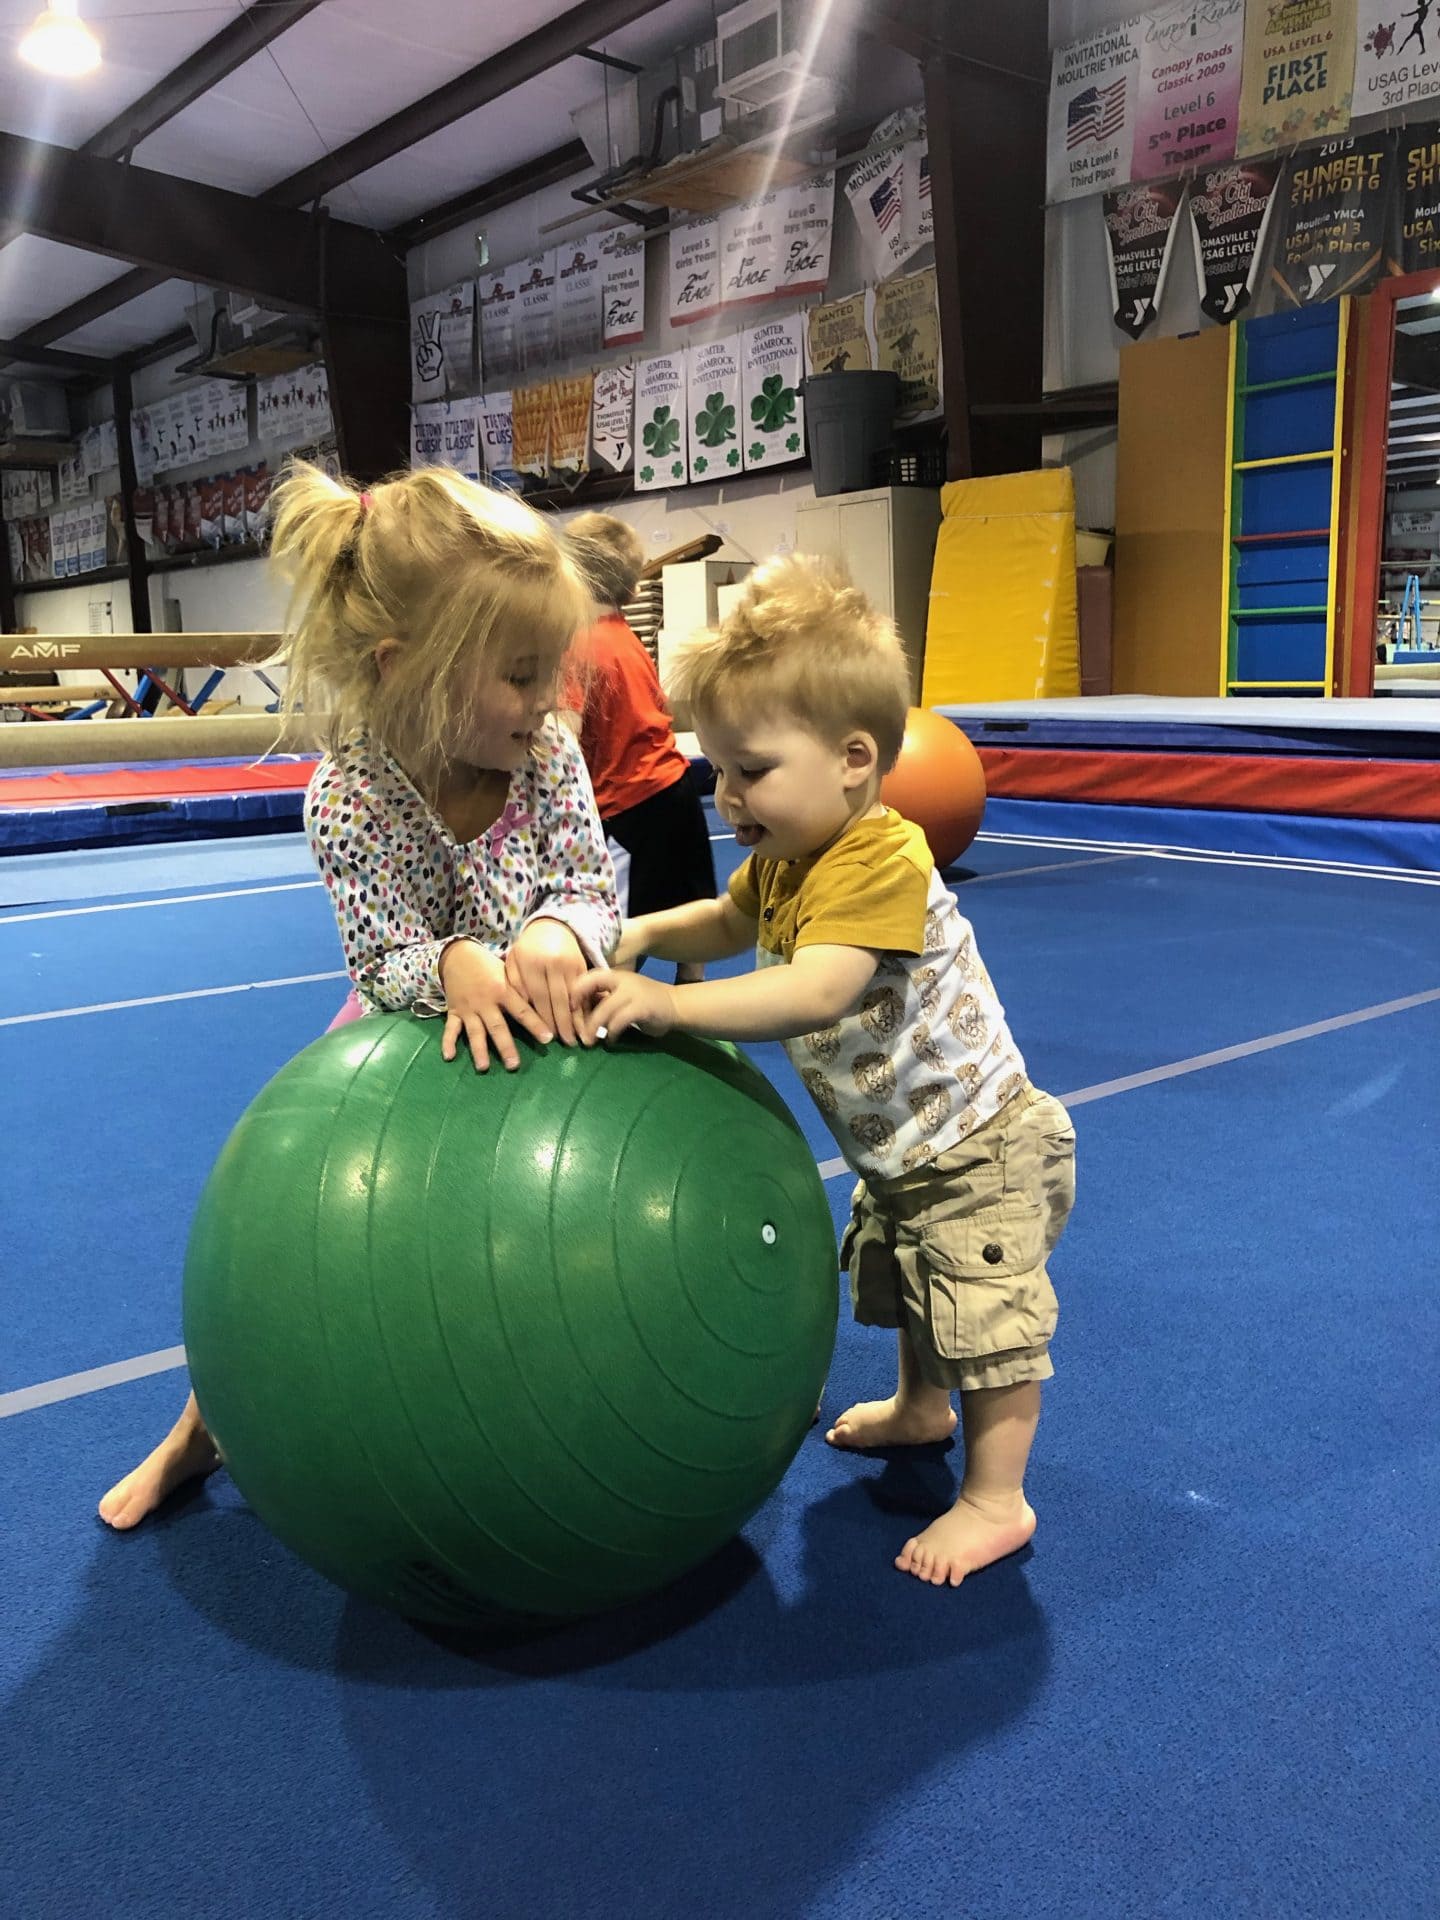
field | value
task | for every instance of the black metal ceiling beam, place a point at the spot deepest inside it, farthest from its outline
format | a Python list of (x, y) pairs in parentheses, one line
[(527, 59), (49, 357), (548, 170), (244, 37), (1010, 42), (179, 229), (250, 33)]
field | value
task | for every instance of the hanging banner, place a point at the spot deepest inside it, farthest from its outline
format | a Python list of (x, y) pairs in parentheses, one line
[(499, 347), (660, 422), (1299, 70), (1188, 99), (695, 271), (907, 342), (750, 252), (612, 416), (773, 413), (1420, 198), (427, 434), (714, 380), (1335, 207), (531, 408), (495, 433), (427, 356), (535, 307), (837, 338), (457, 336), (1229, 215), (1395, 64), (571, 400), (876, 192), (919, 216), (807, 224), (1140, 229), (1091, 132), (461, 445), (622, 262), (579, 299), (142, 446)]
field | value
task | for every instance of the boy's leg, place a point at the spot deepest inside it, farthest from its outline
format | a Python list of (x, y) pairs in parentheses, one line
[(916, 1414), (186, 1453), (991, 1517)]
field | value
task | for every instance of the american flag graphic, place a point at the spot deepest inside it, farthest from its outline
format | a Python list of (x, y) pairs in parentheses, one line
[(885, 203), (1096, 114), (924, 178)]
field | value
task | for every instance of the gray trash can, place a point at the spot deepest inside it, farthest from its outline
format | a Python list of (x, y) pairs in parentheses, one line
[(849, 419)]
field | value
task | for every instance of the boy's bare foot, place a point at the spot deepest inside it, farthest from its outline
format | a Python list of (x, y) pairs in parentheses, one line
[(972, 1534), (186, 1453), (893, 1423)]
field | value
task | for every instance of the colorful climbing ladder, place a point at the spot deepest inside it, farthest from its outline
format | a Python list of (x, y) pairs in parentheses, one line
[(1282, 502)]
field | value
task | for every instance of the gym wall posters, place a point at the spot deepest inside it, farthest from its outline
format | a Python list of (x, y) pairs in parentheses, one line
[(1336, 206), (1140, 228), (1092, 111), (1397, 54), (1420, 198), (1188, 88), (1230, 210), (1299, 72)]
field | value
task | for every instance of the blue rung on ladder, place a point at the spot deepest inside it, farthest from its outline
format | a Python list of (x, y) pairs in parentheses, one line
[(1409, 633)]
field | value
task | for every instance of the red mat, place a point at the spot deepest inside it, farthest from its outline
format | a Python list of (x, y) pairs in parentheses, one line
[(1234, 782), (99, 786)]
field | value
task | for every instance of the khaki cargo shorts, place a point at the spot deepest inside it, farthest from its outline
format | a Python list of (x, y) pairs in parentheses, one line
[(956, 1252)]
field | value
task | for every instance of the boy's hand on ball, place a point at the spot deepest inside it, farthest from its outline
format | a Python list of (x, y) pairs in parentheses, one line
[(479, 1002), (610, 1003), (543, 966)]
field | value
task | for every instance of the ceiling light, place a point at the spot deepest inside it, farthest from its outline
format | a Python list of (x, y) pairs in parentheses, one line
[(60, 43)]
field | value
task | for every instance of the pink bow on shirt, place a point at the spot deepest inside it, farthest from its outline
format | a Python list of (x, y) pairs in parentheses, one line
[(511, 820)]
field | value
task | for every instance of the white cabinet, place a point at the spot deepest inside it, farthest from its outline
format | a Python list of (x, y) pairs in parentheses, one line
[(885, 538)]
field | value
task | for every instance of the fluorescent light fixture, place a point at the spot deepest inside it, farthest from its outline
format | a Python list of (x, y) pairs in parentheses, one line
[(60, 43)]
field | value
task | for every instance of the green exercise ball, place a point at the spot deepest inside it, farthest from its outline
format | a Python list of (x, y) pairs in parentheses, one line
[(531, 1343)]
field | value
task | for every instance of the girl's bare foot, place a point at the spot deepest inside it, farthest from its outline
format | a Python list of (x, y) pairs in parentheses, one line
[(896, 1422), (971, 1535), (186, 1453)]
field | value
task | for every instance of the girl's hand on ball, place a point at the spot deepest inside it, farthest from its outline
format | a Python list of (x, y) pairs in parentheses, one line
[(543, 967), (610, 1003), (479, 1000)]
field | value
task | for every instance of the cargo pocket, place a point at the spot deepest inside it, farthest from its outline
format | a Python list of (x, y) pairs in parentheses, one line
[(986, 1288)]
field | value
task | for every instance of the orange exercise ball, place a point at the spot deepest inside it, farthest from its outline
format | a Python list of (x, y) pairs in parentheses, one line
[(939, 783)]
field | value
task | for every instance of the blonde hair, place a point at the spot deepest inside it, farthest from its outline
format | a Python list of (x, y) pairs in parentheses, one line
[(458, 574), (804, 639), (610, 556)]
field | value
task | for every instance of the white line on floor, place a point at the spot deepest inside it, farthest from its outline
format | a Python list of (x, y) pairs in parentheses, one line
[(1048, 866), (71, 1386), (167, 999), (1208, 856), (158, 900)]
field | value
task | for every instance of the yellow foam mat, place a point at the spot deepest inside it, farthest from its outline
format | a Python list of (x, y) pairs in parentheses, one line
[(1002, 622)]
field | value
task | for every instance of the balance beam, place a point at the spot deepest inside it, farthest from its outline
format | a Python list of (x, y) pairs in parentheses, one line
[(62, 743), (80, 695), (21, 653)]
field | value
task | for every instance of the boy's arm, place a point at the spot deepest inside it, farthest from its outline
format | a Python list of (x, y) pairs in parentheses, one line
[(700, 930), (819, 986)]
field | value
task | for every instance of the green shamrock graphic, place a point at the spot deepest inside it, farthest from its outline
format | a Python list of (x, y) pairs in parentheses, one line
[(715, 422), (662, 434), (757, 447), (647, 474), (792, 445), (774, 406), (677, 469), (700, 463), (732, 459)]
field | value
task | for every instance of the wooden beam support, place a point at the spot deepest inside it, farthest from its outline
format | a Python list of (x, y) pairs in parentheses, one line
[(78, 694), (66, 743), (987, 181), (133, 653), (135, 556)]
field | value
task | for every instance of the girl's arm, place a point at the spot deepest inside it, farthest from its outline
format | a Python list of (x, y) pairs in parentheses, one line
[(578, 886), (391, 952)]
